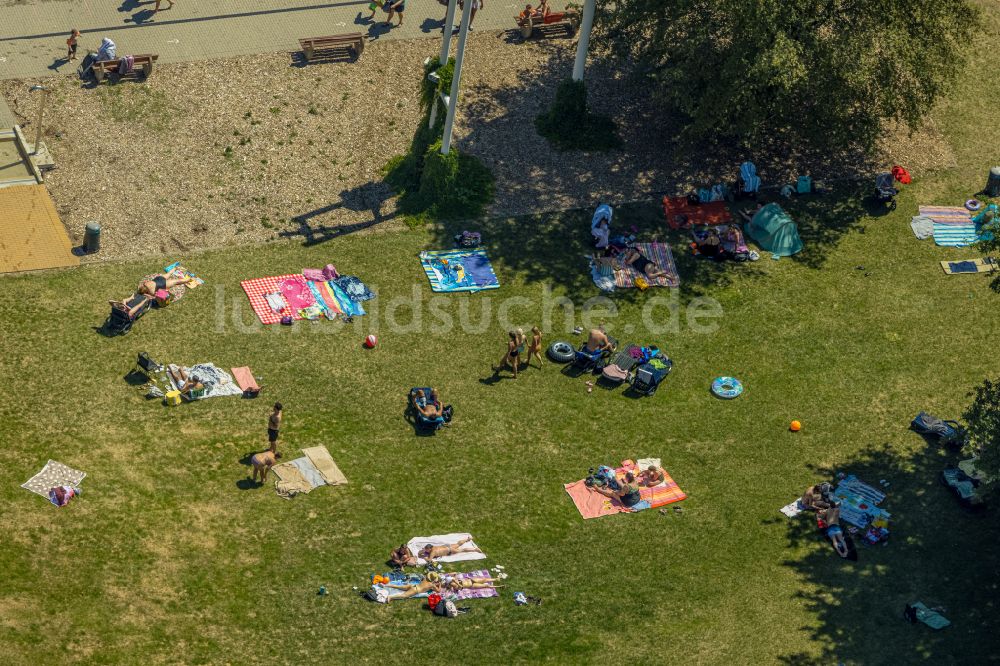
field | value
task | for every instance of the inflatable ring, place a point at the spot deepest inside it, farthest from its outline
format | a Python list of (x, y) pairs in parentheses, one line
[(973, 204), (726, 388), (561, 352)]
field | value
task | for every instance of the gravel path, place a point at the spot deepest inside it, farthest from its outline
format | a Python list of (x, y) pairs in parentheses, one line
[(254, 149)]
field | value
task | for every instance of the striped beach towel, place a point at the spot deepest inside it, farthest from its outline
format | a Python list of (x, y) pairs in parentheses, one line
[(659, 254), (946, 214), (666, 493), (955, 235), (853, 484)]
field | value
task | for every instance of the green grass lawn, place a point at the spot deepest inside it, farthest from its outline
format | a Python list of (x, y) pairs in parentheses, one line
[(167, 558)]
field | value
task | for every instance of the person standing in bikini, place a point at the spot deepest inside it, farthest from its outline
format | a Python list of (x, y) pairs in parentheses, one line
[(273, 425)]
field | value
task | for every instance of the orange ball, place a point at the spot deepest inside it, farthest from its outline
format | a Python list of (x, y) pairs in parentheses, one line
[(795, 426)]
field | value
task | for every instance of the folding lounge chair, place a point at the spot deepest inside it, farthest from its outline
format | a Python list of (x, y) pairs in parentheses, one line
[(647, 377), (618, 367), (119, 322), (949, 433), (420, 422)]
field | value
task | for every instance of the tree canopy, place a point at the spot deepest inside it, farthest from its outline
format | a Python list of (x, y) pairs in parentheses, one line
[(983, 421), (828, 72)]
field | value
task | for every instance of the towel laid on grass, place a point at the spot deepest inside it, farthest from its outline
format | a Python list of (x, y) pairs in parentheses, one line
[(324, 464), (592, 504), (477, 272), (297, 476), (659, 254), (179, 271), (955, 235), (984, 265), (416, 544), (52, 475), (244, 378), (859, 502), (454, 596), (946, 214), (792, 510), (217, 381)]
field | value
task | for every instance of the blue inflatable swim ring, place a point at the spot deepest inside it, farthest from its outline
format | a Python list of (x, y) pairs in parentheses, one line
[(727, 388)]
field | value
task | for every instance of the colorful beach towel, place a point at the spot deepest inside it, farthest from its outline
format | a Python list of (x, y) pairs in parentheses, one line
[(592, 504), (955, 215), (459, 270), (955, 235), (659, 254), (52, 475), (984, 265), (859, 502), (181, 272), (416, 544)]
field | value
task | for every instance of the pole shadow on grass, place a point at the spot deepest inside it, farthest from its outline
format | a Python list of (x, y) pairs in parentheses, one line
[(937, 553)]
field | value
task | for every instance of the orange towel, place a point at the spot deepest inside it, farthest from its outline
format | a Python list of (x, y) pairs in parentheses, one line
[(244, 378)]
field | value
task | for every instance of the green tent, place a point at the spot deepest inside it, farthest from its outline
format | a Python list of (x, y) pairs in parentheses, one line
[(775, 231)]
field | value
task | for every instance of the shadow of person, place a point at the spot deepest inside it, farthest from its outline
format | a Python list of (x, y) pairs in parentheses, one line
[(363, 20), (432, 25), (129, 5), (245, 460), (378, 29), (248, 484), (140, 17), (57, 63)]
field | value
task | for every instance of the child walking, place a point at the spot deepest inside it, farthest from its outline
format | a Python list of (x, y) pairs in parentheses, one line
[(71, 44)]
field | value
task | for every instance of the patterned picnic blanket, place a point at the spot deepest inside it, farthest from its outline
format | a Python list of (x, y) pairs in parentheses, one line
[(455, 596), (52, 475), (459, 270), (659, 254), (946, 214), (592, 504)]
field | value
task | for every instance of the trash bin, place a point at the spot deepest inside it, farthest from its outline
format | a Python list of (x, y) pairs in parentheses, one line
[(92, 237)]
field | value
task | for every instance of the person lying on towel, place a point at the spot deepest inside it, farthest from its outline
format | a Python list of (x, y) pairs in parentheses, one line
[(642, 263), (627, 492), (456, 584), (148, 289), (431, 584), (402, 557), (828, 521), (183, 381)]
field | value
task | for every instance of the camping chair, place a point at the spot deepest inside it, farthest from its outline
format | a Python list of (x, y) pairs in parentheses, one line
[(585, 360), (119, 322), (647, 377), (146, 366), (618, 367), (420, 422)]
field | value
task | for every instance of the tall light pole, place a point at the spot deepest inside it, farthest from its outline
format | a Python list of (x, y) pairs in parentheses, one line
[(449, 121), (584, 43), (41, 114)]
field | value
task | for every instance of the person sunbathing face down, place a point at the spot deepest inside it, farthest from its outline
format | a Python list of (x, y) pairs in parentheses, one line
[(833, 532)]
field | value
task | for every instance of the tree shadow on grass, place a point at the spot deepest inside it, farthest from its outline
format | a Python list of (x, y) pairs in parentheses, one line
[(370, 197), (938, 553)]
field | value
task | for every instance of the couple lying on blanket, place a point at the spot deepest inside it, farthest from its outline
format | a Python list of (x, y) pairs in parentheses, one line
[(619, 254), (147, 289), (819, 498), (723, 243), (434, 582), (626, 490), (402, 557)]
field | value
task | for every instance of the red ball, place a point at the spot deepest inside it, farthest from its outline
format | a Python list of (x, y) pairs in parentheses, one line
[(371, 341)]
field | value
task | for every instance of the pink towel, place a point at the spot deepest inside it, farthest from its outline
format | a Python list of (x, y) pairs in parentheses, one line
[(592, 504), (244, 378), (296, 293)]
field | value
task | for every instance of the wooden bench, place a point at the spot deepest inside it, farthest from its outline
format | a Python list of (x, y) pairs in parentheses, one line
[(349, 45), (551, 25), (142, 67)]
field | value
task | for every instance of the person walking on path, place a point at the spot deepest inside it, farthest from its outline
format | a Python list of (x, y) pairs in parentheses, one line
[(262, 464), (273, 425), (395, 7), (476, 6)]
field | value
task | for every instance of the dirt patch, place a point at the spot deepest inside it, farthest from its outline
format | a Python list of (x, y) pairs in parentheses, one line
[(254, 149)]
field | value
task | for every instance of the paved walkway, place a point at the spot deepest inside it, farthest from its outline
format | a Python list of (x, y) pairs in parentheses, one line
[(33, 35)]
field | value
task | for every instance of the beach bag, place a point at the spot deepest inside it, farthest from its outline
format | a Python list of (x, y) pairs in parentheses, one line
[(446, 608), (433, 600), (902, 175)]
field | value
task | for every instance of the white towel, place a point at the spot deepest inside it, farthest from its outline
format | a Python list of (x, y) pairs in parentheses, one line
[(792, 510), (416, 544)]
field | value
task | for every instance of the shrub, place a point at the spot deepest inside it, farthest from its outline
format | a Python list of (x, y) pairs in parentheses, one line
[(569, 124)]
